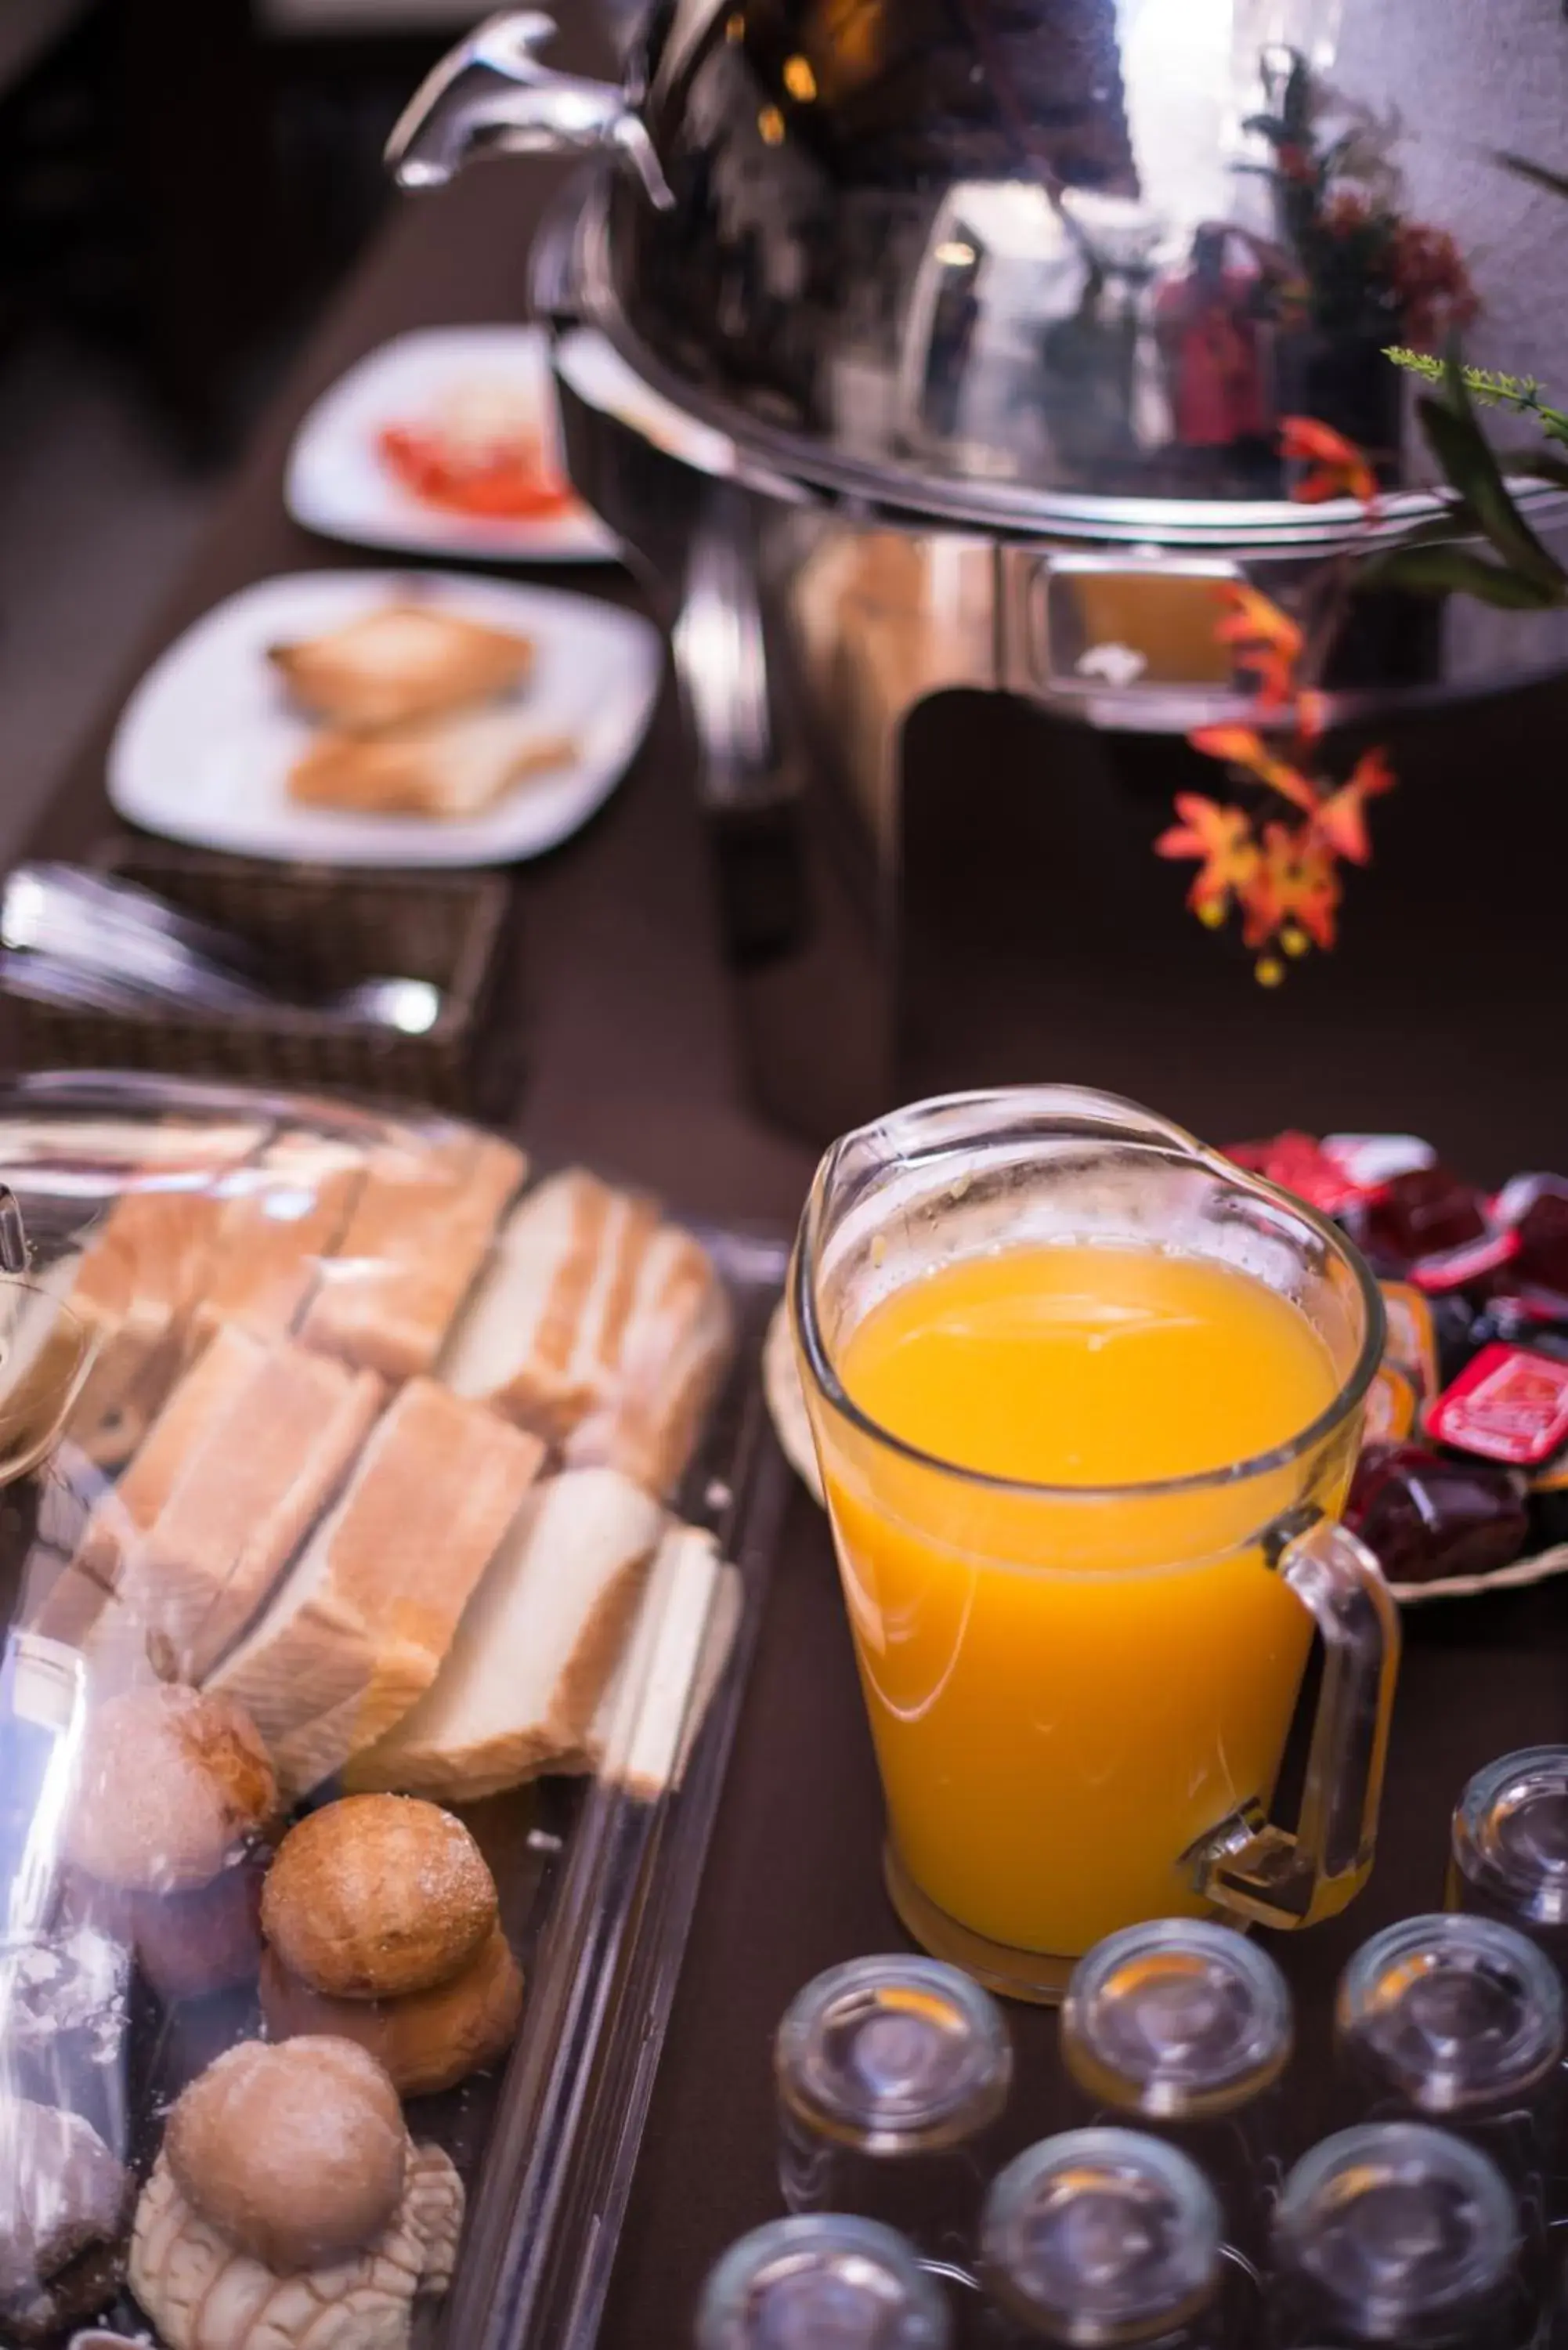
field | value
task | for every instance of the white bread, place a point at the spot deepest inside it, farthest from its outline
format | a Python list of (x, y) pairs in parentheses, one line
[(277, 1220), (197, 1406), (135, 1288), (540, 1340), (233, 1506), (400, 662), (408, 1253), (448, 767), (536, 1646), (675, 1343), (685, 1628), (358, 1631)]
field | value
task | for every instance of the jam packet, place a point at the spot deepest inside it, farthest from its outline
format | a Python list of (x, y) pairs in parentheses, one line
[(1509, 1404)]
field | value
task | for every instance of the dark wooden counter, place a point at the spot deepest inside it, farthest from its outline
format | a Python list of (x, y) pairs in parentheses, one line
[(628, 1043)]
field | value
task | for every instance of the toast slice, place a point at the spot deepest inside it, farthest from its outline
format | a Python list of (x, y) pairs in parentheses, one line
[(279, 1432), (402, 662), (277, 1220), (674, 1346), (444, 767), (407, 1257), (359, 1629), (538, 1642), (541, 1337)]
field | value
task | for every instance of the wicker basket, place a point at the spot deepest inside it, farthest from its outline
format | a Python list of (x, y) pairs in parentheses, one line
[(332, 928)]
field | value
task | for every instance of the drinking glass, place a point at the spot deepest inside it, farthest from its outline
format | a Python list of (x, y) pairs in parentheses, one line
[(1183, 2029), (826, 2280), (1459, 2020), (1080, 1696), (1510, 1851), (1393, 2234), (891, 2072), (1101, 2238)]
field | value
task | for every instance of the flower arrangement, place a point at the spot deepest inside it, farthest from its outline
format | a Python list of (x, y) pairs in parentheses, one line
[(1276, 858), (1365, 270)]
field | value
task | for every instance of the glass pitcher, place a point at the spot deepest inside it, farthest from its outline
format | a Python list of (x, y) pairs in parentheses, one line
[(1080, 1694)]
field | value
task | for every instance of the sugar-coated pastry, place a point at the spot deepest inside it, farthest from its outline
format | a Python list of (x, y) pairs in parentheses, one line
[(172, 1785), (204, 2294), (427, 2040), (64, 2199), (376, 1896), (191, 1944), (66, 1991), (297, 2153)]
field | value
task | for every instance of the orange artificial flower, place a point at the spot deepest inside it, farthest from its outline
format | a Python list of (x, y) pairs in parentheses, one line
[(1266, 641), (1312, 717), (1295, 889), (1339, 469), (1342, 817), (1222, 840), (1243, 746)]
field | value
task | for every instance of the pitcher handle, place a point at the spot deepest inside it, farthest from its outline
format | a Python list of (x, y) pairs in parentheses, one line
[(1283, 1878)]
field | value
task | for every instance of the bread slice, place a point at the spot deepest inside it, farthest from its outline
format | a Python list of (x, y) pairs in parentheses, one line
[(202, 1403), (674, 1346), (407, 1256), (277, 1220), (358, 1631), (400, 662), (450, 767), (649, 1715), (541, 1337), (233, 1506), (536, 1648), (136, 1289)]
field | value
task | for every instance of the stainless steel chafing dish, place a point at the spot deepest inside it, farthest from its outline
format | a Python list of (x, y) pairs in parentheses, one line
[(947, 344)]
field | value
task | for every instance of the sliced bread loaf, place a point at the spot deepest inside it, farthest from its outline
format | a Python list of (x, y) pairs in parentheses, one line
[(359, 1629), (281, 1429), (540, 1638), (541, 1337), (407, 1257)]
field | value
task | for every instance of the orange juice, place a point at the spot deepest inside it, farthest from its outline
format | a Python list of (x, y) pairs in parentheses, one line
[(1070, 1689)]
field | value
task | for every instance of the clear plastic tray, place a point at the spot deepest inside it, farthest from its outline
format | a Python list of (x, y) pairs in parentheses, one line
[(597, 1874)]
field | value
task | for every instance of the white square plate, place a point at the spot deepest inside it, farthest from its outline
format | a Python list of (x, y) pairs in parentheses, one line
[(204, 746), (338, 484)]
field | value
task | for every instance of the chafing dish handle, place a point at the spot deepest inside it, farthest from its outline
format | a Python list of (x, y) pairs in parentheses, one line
[(491, 95), (748, 791)]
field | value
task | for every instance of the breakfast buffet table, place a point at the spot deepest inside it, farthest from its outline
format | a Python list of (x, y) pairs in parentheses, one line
[(623, 1018)]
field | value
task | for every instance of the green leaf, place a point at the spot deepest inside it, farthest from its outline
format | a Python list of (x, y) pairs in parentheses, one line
[(1555, 182), (1438, 569), (1455, 524), (1296, 103), (1466, 459)]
